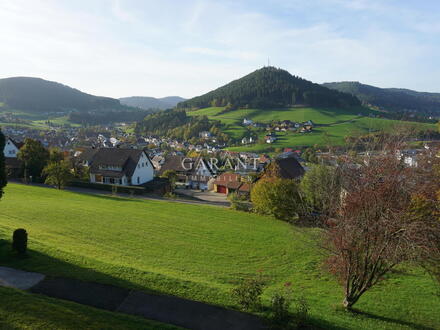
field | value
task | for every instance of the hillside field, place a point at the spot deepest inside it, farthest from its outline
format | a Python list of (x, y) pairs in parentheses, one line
[(197, 252), (333, 125)]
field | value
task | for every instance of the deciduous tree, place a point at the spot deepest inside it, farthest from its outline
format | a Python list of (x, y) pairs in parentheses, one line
[(34, 157), (376, 226), (57, 173), (276, 197)]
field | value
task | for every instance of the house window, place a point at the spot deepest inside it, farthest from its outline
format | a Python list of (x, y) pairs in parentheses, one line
[(138, 179)]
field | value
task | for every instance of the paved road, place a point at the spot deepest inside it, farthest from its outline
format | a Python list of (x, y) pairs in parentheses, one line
[(167, 309), (145, 197)]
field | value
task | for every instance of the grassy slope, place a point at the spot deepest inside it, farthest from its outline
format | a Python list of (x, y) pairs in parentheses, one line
[(334, 125), (196, 252), (37, 120), (21, 310)]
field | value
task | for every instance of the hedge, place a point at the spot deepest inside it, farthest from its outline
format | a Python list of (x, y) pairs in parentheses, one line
[(109, 187)]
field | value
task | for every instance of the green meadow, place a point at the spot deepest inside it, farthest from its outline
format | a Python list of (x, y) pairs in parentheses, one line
[(332, 125), (198, 252)]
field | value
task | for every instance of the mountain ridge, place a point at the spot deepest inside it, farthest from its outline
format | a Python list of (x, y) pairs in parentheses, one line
[(392, 99), (271, 87), (149, 102), (40, 95)]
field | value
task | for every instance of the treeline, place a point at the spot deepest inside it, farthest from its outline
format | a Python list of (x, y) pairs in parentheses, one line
[(270, 87), (100, 118), (175, 123)]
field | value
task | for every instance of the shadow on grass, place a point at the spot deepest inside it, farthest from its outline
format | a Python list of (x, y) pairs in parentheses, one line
[(39, 262), (391, 320)]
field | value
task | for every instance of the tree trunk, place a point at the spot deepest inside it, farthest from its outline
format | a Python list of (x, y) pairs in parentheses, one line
[(348, 302)]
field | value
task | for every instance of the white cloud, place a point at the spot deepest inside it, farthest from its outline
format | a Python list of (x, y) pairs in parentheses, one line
[(187, 48)]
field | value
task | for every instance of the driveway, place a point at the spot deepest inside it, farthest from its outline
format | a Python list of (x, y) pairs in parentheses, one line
[(206, 196)]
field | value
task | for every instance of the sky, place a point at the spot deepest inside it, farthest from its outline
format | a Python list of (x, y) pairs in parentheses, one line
[(121, 48)]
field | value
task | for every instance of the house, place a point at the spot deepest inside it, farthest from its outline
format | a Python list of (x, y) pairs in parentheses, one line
[(409, 157), (191, 172), (306, 129), (247, 122), (85, 157), (125, 167), (158, 161), (205, 134), (11, 148), (247, 140), (12, 164), (284, 168), (270, 139), (227, 183)]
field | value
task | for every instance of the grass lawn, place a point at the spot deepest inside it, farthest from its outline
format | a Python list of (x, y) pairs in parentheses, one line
[(197, 252), (333, 125), (22, 310)]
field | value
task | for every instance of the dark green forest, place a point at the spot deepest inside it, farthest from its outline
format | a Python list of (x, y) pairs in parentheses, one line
[(391, 99), (270, 87), (38, 95), (106, 117)]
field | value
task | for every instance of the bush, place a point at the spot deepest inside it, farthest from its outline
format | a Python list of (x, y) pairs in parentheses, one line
[(301, 312), (136, 190), (19, 240), (276, 197), (239, 202), (282, 317), (248, 293)]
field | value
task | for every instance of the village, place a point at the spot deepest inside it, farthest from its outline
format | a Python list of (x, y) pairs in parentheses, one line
[(112, 157)]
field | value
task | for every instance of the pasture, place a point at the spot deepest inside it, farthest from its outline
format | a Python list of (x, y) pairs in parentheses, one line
[(332, 125)]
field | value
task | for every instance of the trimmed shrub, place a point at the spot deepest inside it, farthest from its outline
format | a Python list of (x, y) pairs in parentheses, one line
[(19, 241)]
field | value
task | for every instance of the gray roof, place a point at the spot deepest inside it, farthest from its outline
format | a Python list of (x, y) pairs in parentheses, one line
[(289, 168)]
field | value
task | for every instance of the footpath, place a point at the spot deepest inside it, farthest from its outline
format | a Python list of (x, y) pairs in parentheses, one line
[(167, 309)]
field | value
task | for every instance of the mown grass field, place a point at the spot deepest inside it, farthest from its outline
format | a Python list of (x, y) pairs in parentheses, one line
[(22, 310), (198, 252), (333, 125)]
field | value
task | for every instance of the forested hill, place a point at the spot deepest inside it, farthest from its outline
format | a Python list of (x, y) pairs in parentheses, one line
[(38, 95), (270, 87), (392, 99), (147, 102)]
